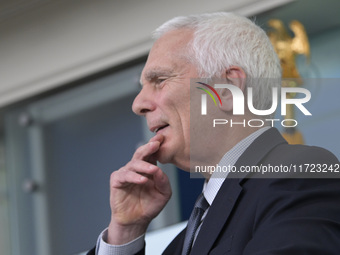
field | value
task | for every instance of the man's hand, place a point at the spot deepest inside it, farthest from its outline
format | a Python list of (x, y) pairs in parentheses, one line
[(138, 192)]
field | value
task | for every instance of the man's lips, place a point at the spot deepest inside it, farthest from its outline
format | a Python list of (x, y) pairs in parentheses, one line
[(156, 129)]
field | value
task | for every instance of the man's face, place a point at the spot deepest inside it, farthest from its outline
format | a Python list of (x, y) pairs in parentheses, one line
[(165, 95)]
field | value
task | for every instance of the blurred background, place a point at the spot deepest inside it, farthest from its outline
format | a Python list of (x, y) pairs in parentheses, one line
[(69, 71)]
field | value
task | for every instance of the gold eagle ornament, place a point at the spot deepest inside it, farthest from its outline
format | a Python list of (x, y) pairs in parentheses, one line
[(287, 47)]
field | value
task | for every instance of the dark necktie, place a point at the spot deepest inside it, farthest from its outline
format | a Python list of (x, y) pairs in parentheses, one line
[(194, 221)]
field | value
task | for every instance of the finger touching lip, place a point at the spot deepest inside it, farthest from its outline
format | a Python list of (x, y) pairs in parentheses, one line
[(157, 137)]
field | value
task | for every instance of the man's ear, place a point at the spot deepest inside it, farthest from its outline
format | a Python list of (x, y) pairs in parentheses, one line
[(234, 75)]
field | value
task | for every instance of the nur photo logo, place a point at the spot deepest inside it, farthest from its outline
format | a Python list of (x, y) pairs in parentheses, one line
[(279, 95)]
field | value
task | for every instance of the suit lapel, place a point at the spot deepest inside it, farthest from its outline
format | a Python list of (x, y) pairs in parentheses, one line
[(230, 191), (176, 245)]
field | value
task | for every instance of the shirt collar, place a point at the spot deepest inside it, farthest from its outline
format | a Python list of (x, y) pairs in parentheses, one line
[(211, 187)]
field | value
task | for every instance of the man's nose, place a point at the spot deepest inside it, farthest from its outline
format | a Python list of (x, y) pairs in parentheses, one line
[(143, 103)]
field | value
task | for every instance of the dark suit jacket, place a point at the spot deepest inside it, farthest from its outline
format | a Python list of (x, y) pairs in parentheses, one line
[(258, 216)]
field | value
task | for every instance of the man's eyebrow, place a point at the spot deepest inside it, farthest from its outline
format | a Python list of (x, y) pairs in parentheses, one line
[(153, 74)]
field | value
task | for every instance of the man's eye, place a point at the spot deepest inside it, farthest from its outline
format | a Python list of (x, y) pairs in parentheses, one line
[(160, 80)]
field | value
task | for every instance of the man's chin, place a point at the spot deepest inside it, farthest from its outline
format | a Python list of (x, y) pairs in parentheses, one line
[(163, 156), (168, 158)]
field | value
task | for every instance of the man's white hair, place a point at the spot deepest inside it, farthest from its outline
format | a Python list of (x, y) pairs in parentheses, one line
[(222, 40)]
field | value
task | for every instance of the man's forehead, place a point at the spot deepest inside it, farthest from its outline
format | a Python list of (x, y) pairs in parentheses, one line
[(172, 42), (176, 37), (167, 55)]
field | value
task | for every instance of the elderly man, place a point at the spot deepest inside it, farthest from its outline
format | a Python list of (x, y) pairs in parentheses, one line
[(235, 214)]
